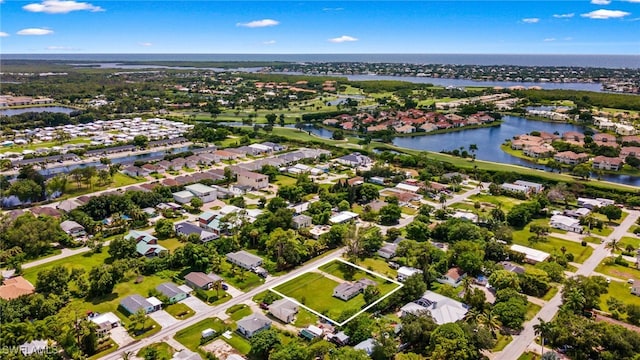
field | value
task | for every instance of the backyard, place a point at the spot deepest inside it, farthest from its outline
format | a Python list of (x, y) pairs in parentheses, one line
[(618, 290), (190, 337)]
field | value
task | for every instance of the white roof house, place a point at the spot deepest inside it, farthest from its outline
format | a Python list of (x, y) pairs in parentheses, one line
[(343, 217), (565, 223), (465, 215), (408, 187), (515, 188), (405, 272), (530, 255), (443, 309)]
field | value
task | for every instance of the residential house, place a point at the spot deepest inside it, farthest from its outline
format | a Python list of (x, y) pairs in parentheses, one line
[(356, 180), (105, 322), (444, 310), (68, 205), (603, 139), (465, 215), (172, 292), (199, 280), (252, 324), (343, 217), (203, 192), (354, 160), (135, 171), (405, 272), (531, 186), (515, 188), (135, 303), (72, 228), (244, 259), (339, 338), (376, 180), (388, 250), (531, 256), (146, 244), (284, 310), (565, 223), (255, 180), (151, 168), (511, 267), (573, 136), (607, 163), (366, 346), (570, 157), (452, 277), (348, 290), (183, 197), (185, 229), (630, 151), (301, 221), (15, 287)]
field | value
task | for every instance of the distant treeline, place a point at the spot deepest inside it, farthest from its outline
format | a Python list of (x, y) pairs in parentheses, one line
[(289, 78), (30, 120), (597, 99), (387, 85)]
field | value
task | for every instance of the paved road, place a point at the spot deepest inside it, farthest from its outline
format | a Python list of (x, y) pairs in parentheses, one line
[(548, 311), (169, 331)]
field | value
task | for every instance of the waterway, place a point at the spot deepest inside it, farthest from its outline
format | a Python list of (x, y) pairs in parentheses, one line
[(55, 109), (488, 141)]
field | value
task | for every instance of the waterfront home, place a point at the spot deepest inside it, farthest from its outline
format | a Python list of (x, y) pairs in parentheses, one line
[(442, 309), (570, 157), (573, 136), (539, 151), (603, 139), (252, 324), (607, 163), (565, 223), (354, 160)]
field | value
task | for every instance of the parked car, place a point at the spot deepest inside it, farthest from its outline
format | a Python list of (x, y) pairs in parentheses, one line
[(225, 287), (264, 306)]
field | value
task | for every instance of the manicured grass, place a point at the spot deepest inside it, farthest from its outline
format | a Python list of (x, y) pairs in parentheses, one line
[(239, 311), (190, 337), (618, 271), (553, 290), (239, 343), (553, 245), (283, 180), (305, 318), (532, 310), (620, 291), (240, 278), (165, 351), (80, 261), (592, 239), (506, 203), (105, 348), (379, 266), (150, 327), (529, 356), (348, 272), (171, 244), (408, 210), (605, 231), (502, 342), (629, 240), (180, 311)]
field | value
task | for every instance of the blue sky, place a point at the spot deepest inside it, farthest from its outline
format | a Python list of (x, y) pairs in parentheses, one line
[(277, 27)]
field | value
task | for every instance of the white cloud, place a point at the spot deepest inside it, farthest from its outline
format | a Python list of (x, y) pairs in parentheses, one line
[(59, 48), (601, 2), (563, 16), (145, 44), (269, 42), (632, 1), (343, 38), (549, 39), (530, 20), (259, 23), (61, 7), (606, 14), (35, 31), (3, 34)]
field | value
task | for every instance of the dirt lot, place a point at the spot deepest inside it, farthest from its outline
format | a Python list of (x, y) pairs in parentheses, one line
[(220, 349)]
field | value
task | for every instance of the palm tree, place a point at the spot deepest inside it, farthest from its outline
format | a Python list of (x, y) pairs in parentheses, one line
[(473, 316), (543, 329), (491, 321), (575, 300), (443, 200), (614, 245), (466, 284), (138, 319)]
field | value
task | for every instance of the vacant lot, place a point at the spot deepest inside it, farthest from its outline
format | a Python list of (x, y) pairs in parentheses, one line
[(190, 337), (553, 245)]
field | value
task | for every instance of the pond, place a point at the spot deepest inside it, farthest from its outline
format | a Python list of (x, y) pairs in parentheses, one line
[(55, 109)]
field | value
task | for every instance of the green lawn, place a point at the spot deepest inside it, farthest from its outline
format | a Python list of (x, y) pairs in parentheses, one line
[(348, 272), (283, 180), (605, 231), (618, 271), (502, 342), (165, 351), (532, 311), (379, 266), (180, 311), (150, 327), (171, 244), (592, 239), (239, 343), (81, 261), (237, 312), (305, 318), (553, 290), (553, 245), (240, 278), (629, 240), (104, 348), (315, 291), (529, 356), (190, 337), (505, 202), (620, 291)]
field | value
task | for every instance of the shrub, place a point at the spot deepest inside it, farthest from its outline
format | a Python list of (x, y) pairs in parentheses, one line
[(583, 243)]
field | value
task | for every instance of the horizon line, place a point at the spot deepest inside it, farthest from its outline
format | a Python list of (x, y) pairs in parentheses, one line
[(364, 53)]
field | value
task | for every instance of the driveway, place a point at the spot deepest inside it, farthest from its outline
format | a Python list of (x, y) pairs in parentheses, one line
[(233, 291), (196, 304), (120, 336), (163, 318)]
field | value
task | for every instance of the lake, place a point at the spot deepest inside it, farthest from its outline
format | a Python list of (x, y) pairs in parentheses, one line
[(55, 109), (488, 141)]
